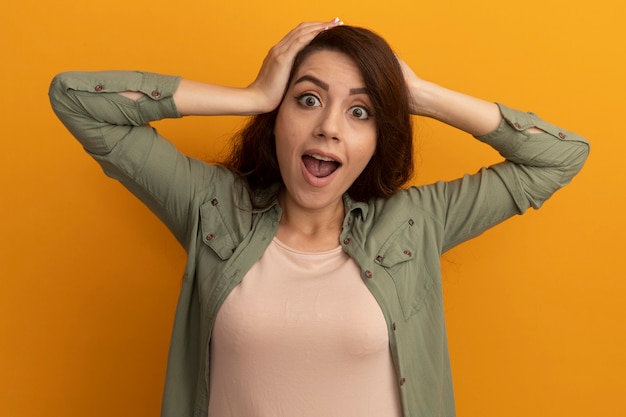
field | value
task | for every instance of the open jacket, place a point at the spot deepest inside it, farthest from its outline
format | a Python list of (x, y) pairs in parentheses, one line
[(396, 242)]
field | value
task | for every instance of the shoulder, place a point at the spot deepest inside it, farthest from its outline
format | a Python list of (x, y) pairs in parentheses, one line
[(216, 183), (414, 213), (425, 202)]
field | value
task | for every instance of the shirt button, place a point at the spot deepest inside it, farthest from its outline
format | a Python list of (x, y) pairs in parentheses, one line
[(517, 125), (379, 258), (156, 94), (98, 88), (402, 381), (210, 236), (411, 222), (407, 252), (368, 274), (562, 135), (347, 240), (393, 326), (214, 202)]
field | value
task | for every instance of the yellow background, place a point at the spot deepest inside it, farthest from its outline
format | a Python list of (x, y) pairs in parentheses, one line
[(89, 278)]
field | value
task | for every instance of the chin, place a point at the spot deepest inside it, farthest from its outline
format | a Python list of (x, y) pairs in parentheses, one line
[(317, 200)]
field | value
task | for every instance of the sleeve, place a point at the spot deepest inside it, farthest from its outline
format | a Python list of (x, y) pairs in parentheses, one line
[(115, 131), (536, 165)]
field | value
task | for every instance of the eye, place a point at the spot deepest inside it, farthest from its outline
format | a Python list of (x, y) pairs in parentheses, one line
[(359, 112), (309, 100)]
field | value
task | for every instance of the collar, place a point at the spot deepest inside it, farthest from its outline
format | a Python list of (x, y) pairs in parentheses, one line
[(352, 207), (355, 208)]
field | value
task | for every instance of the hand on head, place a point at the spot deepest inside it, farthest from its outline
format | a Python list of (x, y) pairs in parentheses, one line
[(269, 85), (413, 83)]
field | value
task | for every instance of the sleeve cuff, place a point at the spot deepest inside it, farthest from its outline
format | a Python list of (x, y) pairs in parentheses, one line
[(510, 134)]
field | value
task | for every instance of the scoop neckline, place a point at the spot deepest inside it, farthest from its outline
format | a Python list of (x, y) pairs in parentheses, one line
[(288, 248)]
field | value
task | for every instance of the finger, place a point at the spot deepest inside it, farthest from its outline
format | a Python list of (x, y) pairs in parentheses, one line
[(304, 33), (315, 26), (277, 64)]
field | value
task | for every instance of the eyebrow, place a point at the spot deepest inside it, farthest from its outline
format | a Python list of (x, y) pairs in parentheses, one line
[(324, 86)]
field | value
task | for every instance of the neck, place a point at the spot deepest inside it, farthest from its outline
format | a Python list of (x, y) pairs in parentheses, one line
[(310, 230)]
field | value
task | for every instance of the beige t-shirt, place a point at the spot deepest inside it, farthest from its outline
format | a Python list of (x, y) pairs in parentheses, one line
[(302, 336)]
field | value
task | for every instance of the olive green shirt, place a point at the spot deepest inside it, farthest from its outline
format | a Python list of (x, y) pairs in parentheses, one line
[(396, 242)]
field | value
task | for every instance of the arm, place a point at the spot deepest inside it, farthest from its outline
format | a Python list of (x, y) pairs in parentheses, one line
[(540, 158), (470, 114), (114, 130), (263, 95), (109, 113)]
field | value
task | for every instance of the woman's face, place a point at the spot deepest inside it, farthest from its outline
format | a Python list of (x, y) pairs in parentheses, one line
[(325, 131)]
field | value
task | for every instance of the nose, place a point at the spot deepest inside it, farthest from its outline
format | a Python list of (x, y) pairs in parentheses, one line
[(330, 124)]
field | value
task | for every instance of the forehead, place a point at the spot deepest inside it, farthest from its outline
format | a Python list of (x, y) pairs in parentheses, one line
[(329, 65)]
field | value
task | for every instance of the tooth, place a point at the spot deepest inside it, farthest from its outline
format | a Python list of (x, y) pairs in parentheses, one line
[(322, 158)]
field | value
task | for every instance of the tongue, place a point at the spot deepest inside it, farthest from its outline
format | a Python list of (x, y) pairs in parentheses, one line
[(319, 168)]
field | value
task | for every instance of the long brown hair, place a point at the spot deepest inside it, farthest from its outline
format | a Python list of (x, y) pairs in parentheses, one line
[(391, 166)]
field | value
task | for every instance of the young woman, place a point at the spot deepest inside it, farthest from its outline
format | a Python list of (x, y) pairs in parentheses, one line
[(313, 285)]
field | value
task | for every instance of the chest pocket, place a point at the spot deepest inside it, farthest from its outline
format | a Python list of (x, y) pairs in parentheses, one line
[(406, 264), (217, 234)]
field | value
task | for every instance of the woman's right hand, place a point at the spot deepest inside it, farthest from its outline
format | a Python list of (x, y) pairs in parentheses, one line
[(267, 90), (270, 84)]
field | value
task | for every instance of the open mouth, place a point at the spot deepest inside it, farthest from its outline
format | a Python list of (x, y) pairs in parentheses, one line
[(320, 166)]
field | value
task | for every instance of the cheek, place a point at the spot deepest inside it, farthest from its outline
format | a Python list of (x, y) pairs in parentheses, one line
[(285, 126), (369, 147), (278, 124), (364, 155)]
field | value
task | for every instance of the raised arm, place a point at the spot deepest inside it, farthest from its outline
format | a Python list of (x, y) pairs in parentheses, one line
[(539, 157), (263, 95), (109, 113), (473, 115)]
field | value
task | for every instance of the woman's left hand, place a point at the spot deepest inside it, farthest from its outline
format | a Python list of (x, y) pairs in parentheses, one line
[(470, 114), (414, 84)]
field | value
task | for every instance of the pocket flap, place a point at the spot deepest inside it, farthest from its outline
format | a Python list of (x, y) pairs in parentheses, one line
[(406, 268), (399, 247), (215, 231)]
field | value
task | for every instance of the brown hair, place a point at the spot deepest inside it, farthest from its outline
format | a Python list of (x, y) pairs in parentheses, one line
[(391, 166)]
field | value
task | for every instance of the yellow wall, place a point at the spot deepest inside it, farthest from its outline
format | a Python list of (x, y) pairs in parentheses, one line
[(89, 278)]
